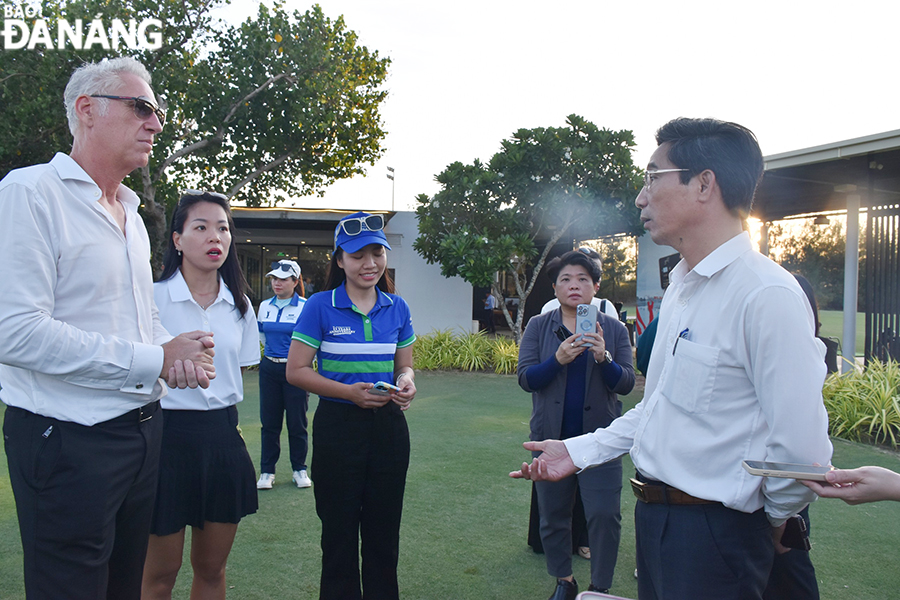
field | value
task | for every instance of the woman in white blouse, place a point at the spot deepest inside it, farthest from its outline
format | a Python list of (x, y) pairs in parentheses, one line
[(206, 476)]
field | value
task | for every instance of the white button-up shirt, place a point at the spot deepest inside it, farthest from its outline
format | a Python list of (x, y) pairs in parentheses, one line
[(736, 373), (236, 338), (79, 334)]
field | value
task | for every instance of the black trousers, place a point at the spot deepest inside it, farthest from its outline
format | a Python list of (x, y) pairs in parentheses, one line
[(359, 463), (278, 398), (84, 496), (793, 575), (701, 552)]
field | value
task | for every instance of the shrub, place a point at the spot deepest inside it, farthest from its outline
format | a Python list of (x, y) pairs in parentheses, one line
[(505, 356), (473, 351), (865, 405), (467, 351)]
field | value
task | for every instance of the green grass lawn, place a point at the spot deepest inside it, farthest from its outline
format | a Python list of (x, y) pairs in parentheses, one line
[(465, 520), (833, 326)]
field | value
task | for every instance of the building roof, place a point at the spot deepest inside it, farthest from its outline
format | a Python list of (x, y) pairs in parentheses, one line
[(280, 225), (818, 179)]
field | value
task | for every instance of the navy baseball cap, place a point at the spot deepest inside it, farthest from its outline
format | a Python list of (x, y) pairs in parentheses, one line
[(355, 232)]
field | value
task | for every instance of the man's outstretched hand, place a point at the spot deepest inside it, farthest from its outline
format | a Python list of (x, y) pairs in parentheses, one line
[(552, 465)]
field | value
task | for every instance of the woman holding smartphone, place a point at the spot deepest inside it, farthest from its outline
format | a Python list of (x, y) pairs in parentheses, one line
[(362, 334), (574, 380), (206, 476)]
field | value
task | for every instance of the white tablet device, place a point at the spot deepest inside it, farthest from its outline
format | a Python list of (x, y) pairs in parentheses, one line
[(786, 470)]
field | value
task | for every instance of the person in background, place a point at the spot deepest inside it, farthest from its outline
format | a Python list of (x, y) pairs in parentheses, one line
[(490, 303), (574, 381), (602, 304), (83, 351), (362, 334), (735, 366), (277, 398), (206, 475)]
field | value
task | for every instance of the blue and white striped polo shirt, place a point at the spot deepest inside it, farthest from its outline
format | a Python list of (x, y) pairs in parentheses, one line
[(352, 346)]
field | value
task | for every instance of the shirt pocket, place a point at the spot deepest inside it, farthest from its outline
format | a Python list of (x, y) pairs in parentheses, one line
[(690, 383)]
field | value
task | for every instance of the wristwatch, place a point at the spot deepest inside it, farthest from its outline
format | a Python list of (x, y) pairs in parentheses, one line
[(607, 357)]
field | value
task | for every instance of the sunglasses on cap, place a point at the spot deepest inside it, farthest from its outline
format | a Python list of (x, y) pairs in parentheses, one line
[(279, 266), (356, 225), (143, 109)]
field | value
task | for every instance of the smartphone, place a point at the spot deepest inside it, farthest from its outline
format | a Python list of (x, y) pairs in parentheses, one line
[(786, 470), (585, 320), (383, 388)]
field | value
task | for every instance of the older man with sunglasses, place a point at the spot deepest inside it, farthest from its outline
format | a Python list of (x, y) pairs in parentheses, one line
[(84, 351)]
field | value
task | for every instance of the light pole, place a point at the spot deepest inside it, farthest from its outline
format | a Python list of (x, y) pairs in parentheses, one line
[(390, 176)]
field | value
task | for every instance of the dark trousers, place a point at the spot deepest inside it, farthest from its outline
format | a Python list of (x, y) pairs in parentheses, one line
[(601, 489), (84, 496), (278, 398), (359, 464), (793, 576), (701, 552)]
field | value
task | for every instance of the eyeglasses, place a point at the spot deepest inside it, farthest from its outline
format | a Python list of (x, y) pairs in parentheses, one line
[(205, 193), (356, 225), (143, 109), (649, 176), (589, 252), (279, 266)]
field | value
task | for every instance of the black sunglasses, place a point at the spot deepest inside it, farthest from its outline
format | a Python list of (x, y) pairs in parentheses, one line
[(205, 193), (143, 109), (278, 266)]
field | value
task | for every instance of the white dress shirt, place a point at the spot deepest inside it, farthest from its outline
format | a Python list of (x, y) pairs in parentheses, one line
[(236, 338), (79, 334), (736, 373)]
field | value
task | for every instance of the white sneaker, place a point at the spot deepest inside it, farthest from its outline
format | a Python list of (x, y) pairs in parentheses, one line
[(265, 481), (302, 479)]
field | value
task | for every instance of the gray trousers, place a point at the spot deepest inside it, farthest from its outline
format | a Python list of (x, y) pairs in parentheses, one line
[(601, 490)]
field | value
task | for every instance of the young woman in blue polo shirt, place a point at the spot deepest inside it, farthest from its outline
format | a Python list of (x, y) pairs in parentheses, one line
[(362, 334), (277, 398)]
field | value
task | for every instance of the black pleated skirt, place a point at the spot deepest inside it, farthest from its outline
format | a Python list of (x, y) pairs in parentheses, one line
[(205, 471)]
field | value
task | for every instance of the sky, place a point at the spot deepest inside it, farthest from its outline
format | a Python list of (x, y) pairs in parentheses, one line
[(467, 74)]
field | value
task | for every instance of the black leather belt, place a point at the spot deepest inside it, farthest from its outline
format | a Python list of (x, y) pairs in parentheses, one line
[(139, 415)]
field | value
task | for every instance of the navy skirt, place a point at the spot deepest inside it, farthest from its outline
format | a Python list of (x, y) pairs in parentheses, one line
[(205, 472)]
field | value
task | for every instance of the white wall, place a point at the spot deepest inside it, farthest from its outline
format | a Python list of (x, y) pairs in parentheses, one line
[(437, 303), (649, 290)]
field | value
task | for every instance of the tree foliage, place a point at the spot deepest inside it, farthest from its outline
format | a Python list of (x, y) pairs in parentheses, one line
[(577, 181), (816, 252), (281, 105), (618, 256)]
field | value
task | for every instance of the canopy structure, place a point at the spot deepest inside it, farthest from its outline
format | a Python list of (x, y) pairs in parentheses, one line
[(861, 174)]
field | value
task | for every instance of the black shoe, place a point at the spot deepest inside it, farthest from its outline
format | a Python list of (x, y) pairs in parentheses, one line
[(591, 588), (565, 590)]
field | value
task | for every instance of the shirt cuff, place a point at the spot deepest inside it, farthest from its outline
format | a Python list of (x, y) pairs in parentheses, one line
[(579, 449), (146, 364)]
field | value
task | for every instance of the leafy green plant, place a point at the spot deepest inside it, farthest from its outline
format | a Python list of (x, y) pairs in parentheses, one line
[(865, 405), (506, 356), (473, 351)]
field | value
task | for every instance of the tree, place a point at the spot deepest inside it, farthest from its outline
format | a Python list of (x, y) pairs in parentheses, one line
[(817, 253), (278, 106), (505, 216), (618, 255)]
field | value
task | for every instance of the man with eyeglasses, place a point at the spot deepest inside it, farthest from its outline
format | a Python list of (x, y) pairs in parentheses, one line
[(735, 373), (83, 351)]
